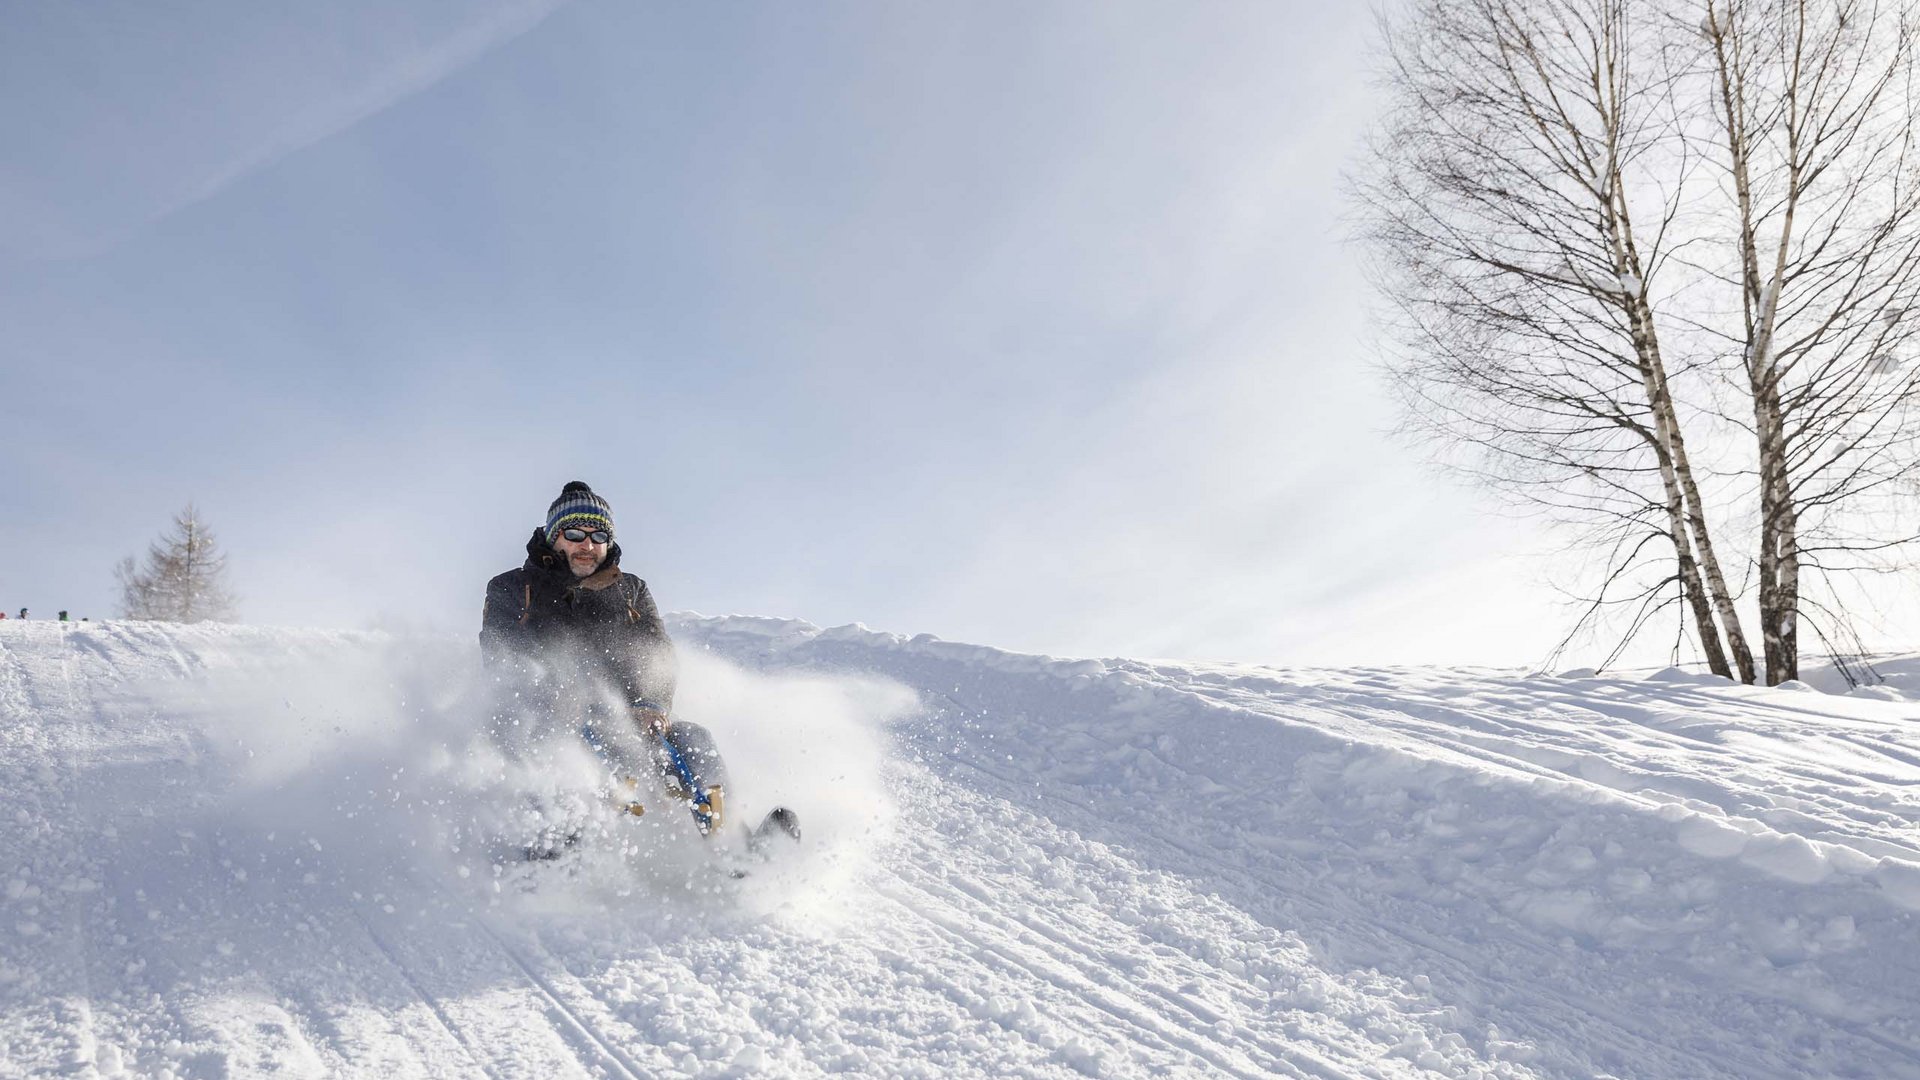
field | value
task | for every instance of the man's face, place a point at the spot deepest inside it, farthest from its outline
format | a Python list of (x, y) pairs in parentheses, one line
[(583, 556)]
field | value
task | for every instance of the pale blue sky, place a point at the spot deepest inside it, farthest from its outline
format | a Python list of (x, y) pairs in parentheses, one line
[(1028, 324)]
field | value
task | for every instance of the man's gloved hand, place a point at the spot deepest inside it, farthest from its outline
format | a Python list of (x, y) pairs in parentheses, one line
[(649, 720)]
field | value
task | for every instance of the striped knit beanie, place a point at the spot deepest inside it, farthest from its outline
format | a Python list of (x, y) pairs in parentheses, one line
[(579, 507)]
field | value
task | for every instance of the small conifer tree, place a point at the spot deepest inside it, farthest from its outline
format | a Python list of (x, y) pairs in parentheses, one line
[(183, 578)]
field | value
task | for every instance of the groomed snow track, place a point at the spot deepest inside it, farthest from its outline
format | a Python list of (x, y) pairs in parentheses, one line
[(1103, 868)]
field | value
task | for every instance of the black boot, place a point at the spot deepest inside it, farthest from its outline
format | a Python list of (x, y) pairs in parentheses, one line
[(779, 821)]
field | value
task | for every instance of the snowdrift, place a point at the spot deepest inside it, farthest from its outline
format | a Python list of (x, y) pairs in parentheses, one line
[(237, 851)]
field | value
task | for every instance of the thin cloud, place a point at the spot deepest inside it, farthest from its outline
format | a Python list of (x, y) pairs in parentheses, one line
[(153, 137), (388, 87)]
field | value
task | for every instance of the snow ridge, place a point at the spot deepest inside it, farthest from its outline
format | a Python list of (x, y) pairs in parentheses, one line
[(233, 851)]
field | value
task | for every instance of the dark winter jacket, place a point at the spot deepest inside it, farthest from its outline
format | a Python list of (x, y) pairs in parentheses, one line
[(542, 621)]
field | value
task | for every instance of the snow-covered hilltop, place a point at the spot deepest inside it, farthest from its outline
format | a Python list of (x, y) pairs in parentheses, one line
[(236, 851)]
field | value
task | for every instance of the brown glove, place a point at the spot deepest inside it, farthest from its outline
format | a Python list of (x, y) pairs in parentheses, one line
[(649, 720)]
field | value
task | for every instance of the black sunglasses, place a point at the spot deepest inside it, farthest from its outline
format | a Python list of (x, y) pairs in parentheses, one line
[(598, 536)]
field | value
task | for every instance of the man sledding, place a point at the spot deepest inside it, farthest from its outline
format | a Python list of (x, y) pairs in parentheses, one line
[(582, 641)]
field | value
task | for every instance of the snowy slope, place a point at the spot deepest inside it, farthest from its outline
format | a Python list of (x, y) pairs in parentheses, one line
[(244, 852)]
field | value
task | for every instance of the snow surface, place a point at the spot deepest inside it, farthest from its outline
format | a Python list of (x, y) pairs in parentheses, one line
[(235, 851)]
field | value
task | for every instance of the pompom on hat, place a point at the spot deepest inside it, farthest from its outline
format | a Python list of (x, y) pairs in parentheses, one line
[(578, 507)]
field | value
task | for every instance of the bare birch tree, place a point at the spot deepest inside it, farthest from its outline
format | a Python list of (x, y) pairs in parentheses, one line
[(1813, 102), (183, 578), (1608, 226), (1522, 201)]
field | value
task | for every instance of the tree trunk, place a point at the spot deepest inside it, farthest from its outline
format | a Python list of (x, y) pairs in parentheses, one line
[(1779, 555), (1687, 519), (1667, 435), (1779, 542), (1689, 511)]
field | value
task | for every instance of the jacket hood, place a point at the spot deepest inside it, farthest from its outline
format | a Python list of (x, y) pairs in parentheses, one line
[(543, 560)]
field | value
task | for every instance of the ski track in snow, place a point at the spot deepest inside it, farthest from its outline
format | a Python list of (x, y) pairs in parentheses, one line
[(1088, 868)]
